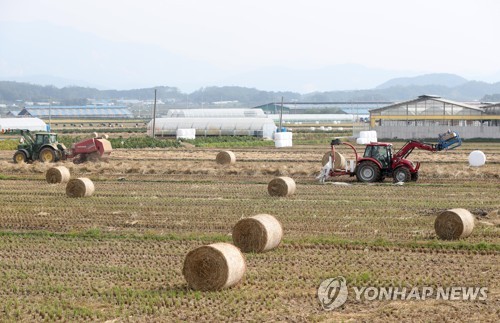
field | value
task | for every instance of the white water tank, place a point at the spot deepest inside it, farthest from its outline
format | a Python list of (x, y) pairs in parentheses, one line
[(283, 139)]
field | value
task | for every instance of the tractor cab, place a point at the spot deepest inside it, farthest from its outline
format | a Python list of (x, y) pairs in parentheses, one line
[(45, 138), (382, 152)]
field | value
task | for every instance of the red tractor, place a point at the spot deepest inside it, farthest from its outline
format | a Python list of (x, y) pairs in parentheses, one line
[(379, 161)]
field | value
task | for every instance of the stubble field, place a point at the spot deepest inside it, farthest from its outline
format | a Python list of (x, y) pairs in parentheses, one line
[(118, 255)]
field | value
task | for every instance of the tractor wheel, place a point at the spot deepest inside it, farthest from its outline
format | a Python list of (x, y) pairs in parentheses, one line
[(401, 174), (20, 157), (47, 155), (414, 176), (368, 172)]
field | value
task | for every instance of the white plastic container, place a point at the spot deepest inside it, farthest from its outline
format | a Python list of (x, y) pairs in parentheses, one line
[(363, 141), (283, 139), (283, 136), (186, 133), (283, 143), (364, 134)]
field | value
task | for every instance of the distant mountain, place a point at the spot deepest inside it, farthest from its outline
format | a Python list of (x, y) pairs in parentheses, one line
[(442, 79), (247, 97), (469, 91), (12, 91)]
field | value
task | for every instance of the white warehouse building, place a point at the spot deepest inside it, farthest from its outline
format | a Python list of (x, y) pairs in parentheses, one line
[(31, 124), (260, 127)]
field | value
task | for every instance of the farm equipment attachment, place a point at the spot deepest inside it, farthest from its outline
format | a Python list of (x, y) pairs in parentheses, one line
[(45, 147), (93, 149), (379, 161)]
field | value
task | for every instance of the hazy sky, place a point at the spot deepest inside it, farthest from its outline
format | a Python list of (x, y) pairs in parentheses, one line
[(453, 36)]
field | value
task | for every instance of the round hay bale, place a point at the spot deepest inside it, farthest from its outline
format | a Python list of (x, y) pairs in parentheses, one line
[(281, 186), (477, 158), (258, 233), (340, 161), (80, 187), (56, 175), (225, 158), (454, 224), (325, 158), (213, 267)]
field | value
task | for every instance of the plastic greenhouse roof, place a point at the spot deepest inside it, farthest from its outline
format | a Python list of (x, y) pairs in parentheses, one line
[(44, 111), (211, 123), (215, 113), (32, 124)]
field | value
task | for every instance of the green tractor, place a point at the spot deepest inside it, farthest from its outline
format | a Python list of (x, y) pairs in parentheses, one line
[(43, 147)]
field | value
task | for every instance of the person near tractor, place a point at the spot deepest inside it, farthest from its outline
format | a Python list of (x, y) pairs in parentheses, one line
[(380, 153)]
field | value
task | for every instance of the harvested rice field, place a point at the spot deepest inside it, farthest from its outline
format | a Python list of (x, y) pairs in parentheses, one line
[(118, 254)]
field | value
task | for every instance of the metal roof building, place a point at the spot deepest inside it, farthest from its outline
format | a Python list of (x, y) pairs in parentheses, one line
[(492, 109), (77, 112), (313, 107), (428, 115), (13, 113)]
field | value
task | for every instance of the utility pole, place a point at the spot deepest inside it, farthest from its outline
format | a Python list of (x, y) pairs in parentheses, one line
[(281, 115), (154, 116), (50, 115)]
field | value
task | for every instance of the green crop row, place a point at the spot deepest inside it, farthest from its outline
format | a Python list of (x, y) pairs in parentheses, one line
[(9, 144)]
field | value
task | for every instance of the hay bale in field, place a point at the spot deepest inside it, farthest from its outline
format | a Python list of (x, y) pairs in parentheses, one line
[(339, 163), (477, 158), (56, 175), (80, 187), (258, 233), (213, 267), (281, 186), (225, 158), (454, 224)]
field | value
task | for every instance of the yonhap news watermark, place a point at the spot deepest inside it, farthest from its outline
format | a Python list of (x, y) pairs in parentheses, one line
[(333, 293)]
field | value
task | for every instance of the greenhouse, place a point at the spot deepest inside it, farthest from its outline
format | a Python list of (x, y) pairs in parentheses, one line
[(86, 112), (260, 127), (314, 118), (31, 124), (429, 115), (215, 113)]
